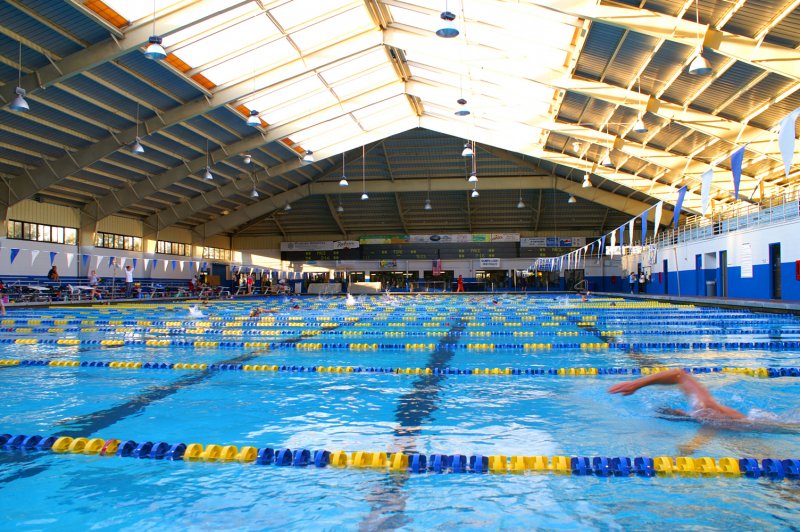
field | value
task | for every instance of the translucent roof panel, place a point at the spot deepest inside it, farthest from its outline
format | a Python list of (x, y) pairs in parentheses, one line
[(287, 92), (228, 40), (296, 12), (377, 77), (353, 66), (275, 53), (382, 113), (133, 11), (323, 134), (333, 29), (205, 27), (310, 103)]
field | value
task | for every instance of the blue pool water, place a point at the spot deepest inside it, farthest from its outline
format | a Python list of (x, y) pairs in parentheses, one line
[(528, 415)]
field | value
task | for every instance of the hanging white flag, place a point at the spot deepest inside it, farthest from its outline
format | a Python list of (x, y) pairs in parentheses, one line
[(146, 262), (181, 265), (613, 243), (630, 231), (70, 256), (705, 196), (97, 265), (34, 254), (122, 262), (786, 139), (659, 207)]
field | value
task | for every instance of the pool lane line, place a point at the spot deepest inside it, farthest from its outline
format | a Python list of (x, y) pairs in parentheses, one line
[(404, 464), (436, 371), (95, 421)]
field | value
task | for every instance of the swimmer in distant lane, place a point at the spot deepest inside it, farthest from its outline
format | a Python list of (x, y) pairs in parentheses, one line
[(256, 312), (705, 408)]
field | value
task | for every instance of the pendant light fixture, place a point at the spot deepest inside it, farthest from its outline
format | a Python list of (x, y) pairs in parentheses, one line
[(572, 199), (474, 193), (638, 126), (520, 204), (154, 49), (428, 206), (700, 66), (447, 28), (473, 175), (19, 103), (587, 180), (606, 160), (343, 181), (207, 175), (137, 147), (364, 195), (462, 110), (308, 156), (248, 158), (287, 207), (467, 151), (253, 120), (254, 192), (340, 208)]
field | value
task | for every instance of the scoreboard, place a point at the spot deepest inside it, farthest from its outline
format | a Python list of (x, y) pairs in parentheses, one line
[(441, 250)]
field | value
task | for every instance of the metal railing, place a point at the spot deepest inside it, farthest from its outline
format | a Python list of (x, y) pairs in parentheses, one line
[(773, 210)]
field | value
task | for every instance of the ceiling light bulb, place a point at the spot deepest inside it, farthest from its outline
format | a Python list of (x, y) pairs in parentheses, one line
[(19, 103), (571, 199), (288, 207), (639, 127), (248, 159), (700, 66), (473, 178), (364, 196), (308, 156), (576, 146), (521, 204), (587, 183), (428, 206), (448, 28), (607, 162), (137, 147), (463, 110), (154, 50), (253, 120), (475, 193), (343, 181), (340, 208), (207, 175), (467, 151), (254, 192)]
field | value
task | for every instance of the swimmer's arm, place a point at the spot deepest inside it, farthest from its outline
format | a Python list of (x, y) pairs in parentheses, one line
[(672, 376)]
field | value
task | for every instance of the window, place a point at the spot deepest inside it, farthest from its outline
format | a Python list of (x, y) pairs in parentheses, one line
[(173, 248), (217, 254), (108, 240), (42, 233)]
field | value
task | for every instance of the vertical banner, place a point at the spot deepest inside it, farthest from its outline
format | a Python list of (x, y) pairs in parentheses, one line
[(786, 139), (644, 225), (737, 158), (70, 256), (53, 257), (110, 261), (85, 259), (99, 260), (14, 253), (630, 231), (705, 196), (146, 262), (174, 265), (122, 261), (613, 242), (34, 254), (134, 263), (659, 209), (602, 246), (678, 204)]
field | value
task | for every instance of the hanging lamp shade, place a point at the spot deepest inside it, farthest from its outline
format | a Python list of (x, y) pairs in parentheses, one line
[(308, 156), (254, 192), (587, 181), (253, 120), (639, 127), (474, 193), (154, 49), (467, 151), (606, 161), (343, 181), (428, 206), (521, 204), (207, 175), (571, 199), (473, 178), (19, 103), (700, 66), (447, 28), (364, 196), (462, 110), (340, 208), (288, 207), (137, 147)]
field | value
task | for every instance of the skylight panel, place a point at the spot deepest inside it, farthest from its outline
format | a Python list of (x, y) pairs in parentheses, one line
[(350, 67), (203, 27), (376, 77), (275, 53), (333, 29), (306, 105), (383, 113), (294, 13), (326, 133), (134, 11), (228, 41), (287, 92)]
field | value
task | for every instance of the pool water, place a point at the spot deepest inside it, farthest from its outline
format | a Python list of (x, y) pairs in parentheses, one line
[(325, 376)]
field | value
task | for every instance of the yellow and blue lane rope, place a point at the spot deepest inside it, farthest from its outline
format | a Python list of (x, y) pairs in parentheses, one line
[(399, 462)]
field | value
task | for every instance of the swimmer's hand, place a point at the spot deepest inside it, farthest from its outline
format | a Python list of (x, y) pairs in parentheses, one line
[(625, 388)]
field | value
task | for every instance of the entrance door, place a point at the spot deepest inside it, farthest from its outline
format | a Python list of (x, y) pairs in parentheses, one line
[(723, 273), (700, 288), (666, 276), (775, 270)]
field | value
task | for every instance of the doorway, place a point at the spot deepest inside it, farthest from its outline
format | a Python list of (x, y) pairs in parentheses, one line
[(723, 273), (666, 276), (775, 270)]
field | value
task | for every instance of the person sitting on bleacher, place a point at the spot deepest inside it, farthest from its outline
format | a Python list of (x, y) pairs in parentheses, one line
[(52, 275)]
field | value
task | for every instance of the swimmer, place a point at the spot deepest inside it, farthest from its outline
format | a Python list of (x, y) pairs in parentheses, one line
[(350, 300), (705, 408), (195, 312), (256, 312)]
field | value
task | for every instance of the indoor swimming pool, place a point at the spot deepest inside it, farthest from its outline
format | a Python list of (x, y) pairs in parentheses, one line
[(410, 412)]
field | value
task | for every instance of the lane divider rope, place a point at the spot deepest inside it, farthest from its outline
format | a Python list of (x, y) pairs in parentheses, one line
[(618, 466), (569, 372)]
